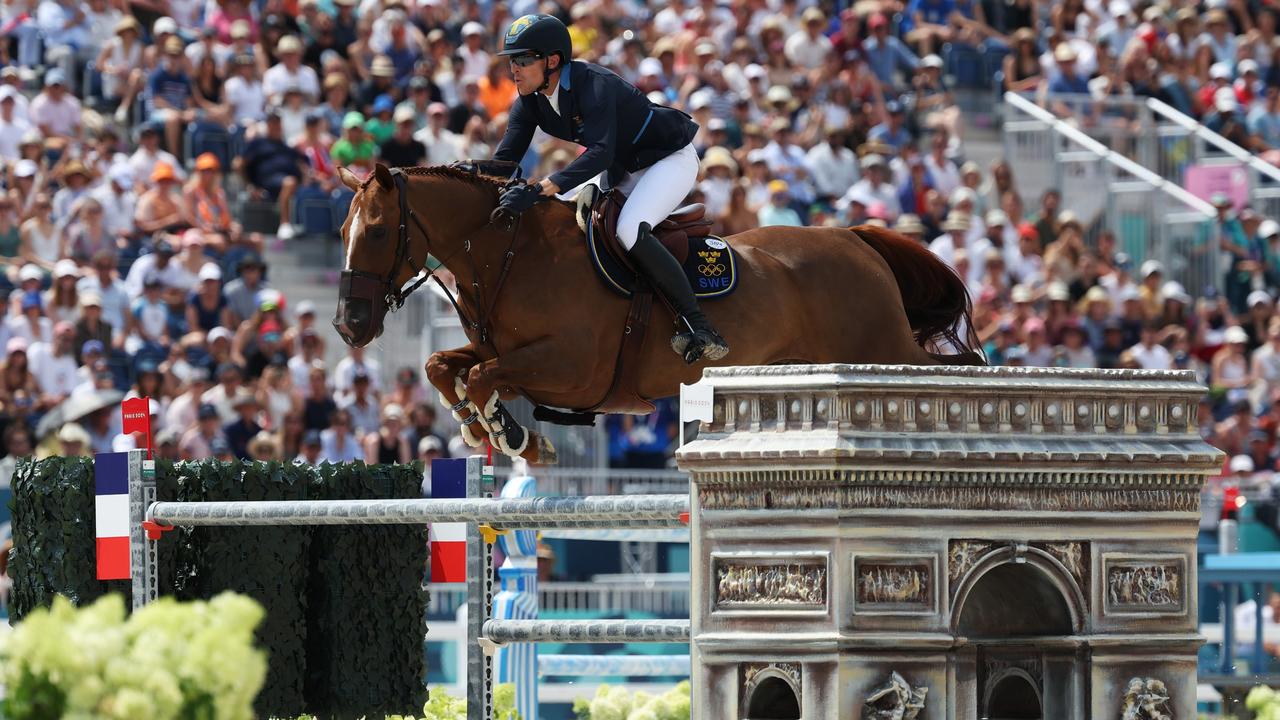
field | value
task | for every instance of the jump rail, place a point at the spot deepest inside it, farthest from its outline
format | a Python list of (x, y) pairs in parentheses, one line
[(586, 631), (628, 511)]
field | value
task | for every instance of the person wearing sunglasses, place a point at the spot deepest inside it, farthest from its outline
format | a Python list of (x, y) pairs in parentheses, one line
[(643, 149)]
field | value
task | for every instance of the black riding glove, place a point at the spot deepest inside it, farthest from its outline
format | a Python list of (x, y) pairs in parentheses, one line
[(520, 198), (515, 201)]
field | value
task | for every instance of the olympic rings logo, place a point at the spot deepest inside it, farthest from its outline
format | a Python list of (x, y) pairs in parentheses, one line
[(712, 270)]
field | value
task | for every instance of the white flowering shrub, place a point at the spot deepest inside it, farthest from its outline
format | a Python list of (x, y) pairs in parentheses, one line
[(168, 660), (615, 703)]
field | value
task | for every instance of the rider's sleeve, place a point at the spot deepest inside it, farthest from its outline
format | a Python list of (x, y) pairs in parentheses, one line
[(599, 135), (520, 127)]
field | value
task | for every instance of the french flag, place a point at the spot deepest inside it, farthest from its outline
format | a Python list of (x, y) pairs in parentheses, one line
[(111, 514), (448, 540)]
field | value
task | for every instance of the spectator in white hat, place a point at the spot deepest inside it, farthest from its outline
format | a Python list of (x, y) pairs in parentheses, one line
[(475, 60), (807, 48), (12, 126), (118, 200), (1230, 367), (290, 72)]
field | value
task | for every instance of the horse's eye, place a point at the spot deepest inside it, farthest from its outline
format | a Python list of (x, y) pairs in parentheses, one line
[(377, 233)]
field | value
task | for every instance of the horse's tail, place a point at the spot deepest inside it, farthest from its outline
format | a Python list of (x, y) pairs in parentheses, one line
[(936, 299)]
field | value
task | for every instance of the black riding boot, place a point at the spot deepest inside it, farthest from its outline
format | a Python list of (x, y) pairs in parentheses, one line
[(700, 341)]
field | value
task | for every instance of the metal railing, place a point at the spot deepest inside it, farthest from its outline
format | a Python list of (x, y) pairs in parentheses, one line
[(580, 481), (667, 599), (1181, 142), (1111, 186)]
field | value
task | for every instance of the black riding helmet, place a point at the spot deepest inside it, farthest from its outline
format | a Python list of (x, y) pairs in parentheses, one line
[(541, 34)]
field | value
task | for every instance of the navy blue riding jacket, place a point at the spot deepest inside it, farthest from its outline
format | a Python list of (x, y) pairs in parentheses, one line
[(621, 130)]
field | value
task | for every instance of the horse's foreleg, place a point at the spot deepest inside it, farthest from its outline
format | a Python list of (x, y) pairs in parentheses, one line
[(547, 366), (445, 370)]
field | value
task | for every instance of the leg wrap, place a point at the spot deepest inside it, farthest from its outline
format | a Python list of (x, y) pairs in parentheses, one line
[(508, 435)]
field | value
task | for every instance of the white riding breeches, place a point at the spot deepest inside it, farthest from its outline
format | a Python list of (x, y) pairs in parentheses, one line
[(652, 193)]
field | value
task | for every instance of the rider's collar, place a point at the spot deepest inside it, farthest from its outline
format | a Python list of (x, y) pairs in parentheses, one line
[(564, 76)]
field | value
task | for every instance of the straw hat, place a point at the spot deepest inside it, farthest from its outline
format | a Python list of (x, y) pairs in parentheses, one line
[(909, 224), (956, 222), (719, 157), (128, 22), (382, 67)]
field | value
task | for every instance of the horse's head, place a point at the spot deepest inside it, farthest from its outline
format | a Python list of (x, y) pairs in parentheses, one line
[(377, 251)]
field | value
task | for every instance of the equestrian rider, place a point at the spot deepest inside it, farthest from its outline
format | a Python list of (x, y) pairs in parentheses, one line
[(646, 150)]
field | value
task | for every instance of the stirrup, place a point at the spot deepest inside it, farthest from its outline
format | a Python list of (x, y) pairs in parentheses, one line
[(585, 201), (694, 344)]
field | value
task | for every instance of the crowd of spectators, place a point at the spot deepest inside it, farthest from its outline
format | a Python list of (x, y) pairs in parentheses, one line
[(134, 135)]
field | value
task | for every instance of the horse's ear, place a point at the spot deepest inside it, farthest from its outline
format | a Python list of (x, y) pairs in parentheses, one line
[(349, 179), (383, 176)]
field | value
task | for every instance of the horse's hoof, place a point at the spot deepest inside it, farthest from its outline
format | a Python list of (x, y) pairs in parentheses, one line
[(541, 451)]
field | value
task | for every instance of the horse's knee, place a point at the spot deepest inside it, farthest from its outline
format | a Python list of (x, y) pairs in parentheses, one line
[(437, 370)]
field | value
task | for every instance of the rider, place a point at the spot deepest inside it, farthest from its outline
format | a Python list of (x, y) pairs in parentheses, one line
[(646, 149)]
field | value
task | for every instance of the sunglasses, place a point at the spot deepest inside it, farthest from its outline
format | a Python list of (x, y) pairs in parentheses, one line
[(525, 60)]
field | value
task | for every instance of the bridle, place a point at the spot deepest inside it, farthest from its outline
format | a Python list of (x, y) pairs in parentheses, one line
[(382, 292)]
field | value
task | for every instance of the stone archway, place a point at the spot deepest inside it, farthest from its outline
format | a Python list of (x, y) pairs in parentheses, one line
[(773, 699), (1017, 610)]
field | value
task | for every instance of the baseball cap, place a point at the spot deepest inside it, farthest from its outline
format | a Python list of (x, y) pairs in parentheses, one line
[(1242, 464), (352, 119), (66, 267), (404, 113), (92, 346), (306, 307), (383, 103), (90, 298), (1151, 267), (29, 272), (1259, 297), (219, 446), (165, 25), (56, 76), (218, 333), (24, 168), (311, 438), (15, 344), (210, 271)]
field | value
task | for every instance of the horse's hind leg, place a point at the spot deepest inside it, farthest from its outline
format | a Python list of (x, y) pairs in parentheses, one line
[(445, 370)]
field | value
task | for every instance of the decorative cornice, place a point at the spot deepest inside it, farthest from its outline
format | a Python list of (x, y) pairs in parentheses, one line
[(930, 417)]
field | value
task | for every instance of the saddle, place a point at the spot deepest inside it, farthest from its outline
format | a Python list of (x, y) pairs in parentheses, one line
[(708, 261), (673, 233)]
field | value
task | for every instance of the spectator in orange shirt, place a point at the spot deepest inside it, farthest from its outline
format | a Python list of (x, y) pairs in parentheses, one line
[(497, 90), (207, 203)]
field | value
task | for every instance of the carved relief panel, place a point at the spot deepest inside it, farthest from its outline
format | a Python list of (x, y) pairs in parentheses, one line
[(1144, 584), (769, 582), (894, 584)]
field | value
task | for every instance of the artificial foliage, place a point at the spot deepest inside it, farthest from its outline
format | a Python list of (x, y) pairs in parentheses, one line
[(345, 607), (169, 661), (53, 536)]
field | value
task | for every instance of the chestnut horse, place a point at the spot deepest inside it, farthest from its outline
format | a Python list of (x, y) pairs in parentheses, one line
[(542, 325)]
